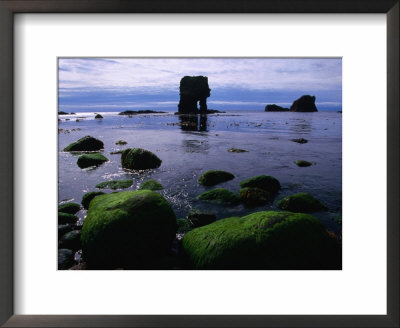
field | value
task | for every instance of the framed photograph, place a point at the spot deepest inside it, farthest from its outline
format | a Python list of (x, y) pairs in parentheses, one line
[(200, 165)]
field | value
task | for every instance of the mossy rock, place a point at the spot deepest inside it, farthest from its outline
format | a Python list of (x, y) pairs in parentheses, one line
[(87, 160), (253, 197), (184, 226), (220, 196), (121, 142), (71, 240), (200, 218), (302, 163), (139, 159), (87, 143), (65, 259), (127, 229), (70, 208), (213, 177), (301, 203), (237, 150), (65, 218), (115, 184), (64, 228), (263, 240), (151, 185), (87, 198), (265, 182)]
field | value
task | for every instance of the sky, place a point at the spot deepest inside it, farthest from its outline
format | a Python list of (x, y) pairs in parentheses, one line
[(118, 84)]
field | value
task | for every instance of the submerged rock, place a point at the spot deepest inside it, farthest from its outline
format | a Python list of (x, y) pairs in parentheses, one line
[(87, 143), (220, 196), (65, 259), (305, 103), (253, 197), (302, 163), (121, 142), (264, 182), (263, 240), (300, 140), (213, 177), (275, 108), (87, 198), (237, 150), (127, 229), (200, 218), (115, 184), (301, 203), (64, 218), (151, 185), (70, 208), (98, 116), (87, 160), (71, 240), (139, 159)]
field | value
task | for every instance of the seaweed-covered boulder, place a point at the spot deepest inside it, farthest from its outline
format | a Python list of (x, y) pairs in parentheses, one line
[(253, 197), (65, 218), (139, 159), (184, 226), (264, 182), (301, 203), (237, 150), (220, 196), (87, 160), (302, 163), (275, 108), (65, 259), (121, 142), (115, 184), (213, 177), (87, 198), (64, 228), (305, 103), (87, 143), (70, 208), (200, 218), (98, 116), (263, 240), (71, 240), (127, 229), (151, 185)]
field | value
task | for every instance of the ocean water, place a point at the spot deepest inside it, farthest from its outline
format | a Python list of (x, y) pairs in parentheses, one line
[(188, 149)]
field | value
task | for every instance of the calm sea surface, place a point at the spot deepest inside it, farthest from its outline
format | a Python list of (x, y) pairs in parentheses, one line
[(189, 149)]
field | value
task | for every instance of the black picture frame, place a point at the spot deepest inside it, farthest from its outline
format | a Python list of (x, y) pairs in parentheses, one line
[(10, 7)]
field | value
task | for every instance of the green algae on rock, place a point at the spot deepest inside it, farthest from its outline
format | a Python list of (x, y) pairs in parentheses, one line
[(87, 198), (302, 163), (121, 142), (237, 150), (87, 160), (87, 143), (70, 208), (64, 218), (127, 229), (263, 240), (220, 196), (139, 159), (213, 177), (115, 184), (253, 197), (184, 226), (264, 182), (151, 185), (200, 218), (301, 203), (300, 140)]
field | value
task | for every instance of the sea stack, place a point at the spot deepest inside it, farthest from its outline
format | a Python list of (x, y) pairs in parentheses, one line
[(305, 103), (275, 108), (193, 89)]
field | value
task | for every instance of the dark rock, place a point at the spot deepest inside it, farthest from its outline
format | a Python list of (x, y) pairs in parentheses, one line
[(237, 150), (115, 184), (64, 218), (253, 197), (65, 259), (70, 208), (87, 143), (275, 108), (71, 240), (305, 103), (184, 226), (116, 152), (87, 198), (302, 163), (220, 196), (121, 142), (213, 177), (80, 266), (98, 116), (62, 113), (136, 112), (87, 160), (200, 218), (151, 185), (127, 229), (264, 182), (263, 240), (64, 228), (193, 89), (301, 203), (300, 141), (139, 159)]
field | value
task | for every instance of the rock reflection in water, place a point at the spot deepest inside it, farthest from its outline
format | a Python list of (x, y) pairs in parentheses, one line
[(193, 122)]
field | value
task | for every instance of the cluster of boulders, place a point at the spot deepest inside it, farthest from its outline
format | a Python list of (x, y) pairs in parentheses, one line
[(305, 103)]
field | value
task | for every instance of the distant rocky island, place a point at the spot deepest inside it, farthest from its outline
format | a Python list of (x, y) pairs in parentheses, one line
[(136, 112), (305, 103)]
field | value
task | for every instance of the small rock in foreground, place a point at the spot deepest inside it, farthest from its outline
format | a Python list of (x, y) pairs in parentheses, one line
[(139, 159), (220, 196), (87, 143), (301, 203), (115, 184), (300, 140), (237, 150), (151, 185), (88, 160), (265, 182), (70, 208), (213, 177)]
